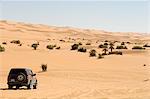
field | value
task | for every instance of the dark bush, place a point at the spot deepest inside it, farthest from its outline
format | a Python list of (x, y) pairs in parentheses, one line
[(116, 41), (100, 56), (146, 45), (121, 47), (80, 43), (128, 43), (82, 49), (92, 53), (74, 46), (105, 43), (20, 45), (44, 67), (34, 46), (50, 47), (111, 44), (122, 43), (104, 53), (62, 40), (137, 47), (4, 43), (106, 40), (58, 47), (88, 43), (102, 46), (2, 49), (116, 52), (15, 41), (54, 45)]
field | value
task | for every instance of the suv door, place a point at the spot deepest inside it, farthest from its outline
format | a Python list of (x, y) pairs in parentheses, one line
[(31, 78)]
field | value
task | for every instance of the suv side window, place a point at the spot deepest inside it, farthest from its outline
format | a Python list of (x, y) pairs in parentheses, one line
[(31, 72)]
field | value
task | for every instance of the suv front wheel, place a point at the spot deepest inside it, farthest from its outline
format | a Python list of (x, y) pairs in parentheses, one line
[(34, 86)]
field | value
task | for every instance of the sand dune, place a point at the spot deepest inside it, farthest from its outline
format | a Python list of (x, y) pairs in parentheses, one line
[(71, 74), (13, 27)]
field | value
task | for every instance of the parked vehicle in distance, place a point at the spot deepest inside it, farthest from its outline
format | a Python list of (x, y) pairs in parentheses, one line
[(19, 77)]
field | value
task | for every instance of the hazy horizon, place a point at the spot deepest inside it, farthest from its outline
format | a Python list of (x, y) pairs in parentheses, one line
[(115, 16)]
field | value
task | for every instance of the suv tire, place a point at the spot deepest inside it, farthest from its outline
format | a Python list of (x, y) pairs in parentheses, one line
[(34, 86), (10, 86)]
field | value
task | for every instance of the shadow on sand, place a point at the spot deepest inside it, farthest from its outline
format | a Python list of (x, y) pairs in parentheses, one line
[(14, 89), (40, 72)]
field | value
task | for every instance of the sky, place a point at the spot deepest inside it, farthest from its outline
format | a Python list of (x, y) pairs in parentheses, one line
[(116, 15)]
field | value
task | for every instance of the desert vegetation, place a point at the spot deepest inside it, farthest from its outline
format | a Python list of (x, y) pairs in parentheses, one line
[(111, 46), (82, 49), (146, 45), (20, 45), (15, 41), (88, 44), (115, 52), (128, 42), (2, 49), (74, 46), (57, 47), (100, 56), (80, 43), (121, 47), (50, 47), (122, 43), (34, 46), (62, 40), (138, 47), (92, 53), (44, 67), (4, 43), (105, 43), (105, 51), (102, 46)]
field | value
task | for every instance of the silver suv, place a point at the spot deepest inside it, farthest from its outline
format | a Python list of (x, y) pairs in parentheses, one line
[(21, 77)]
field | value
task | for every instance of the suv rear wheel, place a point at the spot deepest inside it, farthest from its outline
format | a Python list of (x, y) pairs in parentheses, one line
[(10, 86)]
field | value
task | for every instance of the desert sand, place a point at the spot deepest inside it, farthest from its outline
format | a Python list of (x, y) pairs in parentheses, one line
[(72, 74)]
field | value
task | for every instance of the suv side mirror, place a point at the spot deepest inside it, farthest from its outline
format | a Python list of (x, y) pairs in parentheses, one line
[(33, 74)]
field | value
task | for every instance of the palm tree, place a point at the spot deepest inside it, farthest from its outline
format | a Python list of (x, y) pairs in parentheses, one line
[(111, 46)]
